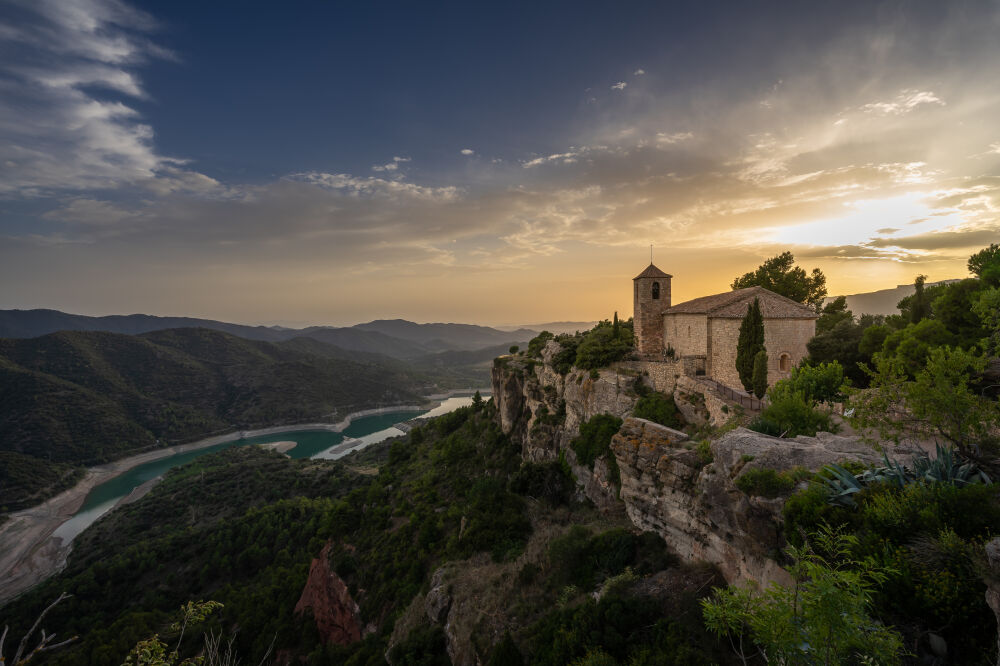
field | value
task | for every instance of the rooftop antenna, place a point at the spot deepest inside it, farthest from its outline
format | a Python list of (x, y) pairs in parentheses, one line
[(650, 254)]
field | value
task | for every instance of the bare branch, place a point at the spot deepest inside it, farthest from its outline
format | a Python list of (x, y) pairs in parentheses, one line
[(41, 616)]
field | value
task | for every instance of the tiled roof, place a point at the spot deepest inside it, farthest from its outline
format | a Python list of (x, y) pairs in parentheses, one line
[(734, 304), (652, 272)]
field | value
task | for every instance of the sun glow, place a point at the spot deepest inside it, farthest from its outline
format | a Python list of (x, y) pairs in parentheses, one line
[(869, 219)]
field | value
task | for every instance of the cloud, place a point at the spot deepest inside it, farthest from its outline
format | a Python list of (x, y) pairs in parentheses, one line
[(63, 124), (676, 137), (639, 72), (905, 102), (468, 151), (619, 86), (391, 166)]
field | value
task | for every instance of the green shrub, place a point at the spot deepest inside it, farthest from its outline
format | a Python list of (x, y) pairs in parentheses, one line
[(595, 436), (789, 414), (537, 344), (659, 408), (766, 482), (549, 481), (600, 347), (426, 645), (563, 360), (816, 383)]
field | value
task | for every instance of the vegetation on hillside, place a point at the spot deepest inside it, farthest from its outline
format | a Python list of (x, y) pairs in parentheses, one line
[(241, 527), (607, 342), (78, 398)]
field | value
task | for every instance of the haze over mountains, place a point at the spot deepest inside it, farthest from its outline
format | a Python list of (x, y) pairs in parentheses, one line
[(395, 338), (883, 301)]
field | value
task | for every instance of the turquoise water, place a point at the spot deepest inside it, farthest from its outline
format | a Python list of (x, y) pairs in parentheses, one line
[(365, 431)]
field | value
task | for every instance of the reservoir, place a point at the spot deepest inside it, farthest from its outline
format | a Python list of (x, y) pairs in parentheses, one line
[(362, 432)]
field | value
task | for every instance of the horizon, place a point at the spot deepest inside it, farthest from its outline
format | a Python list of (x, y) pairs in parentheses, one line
[(456, 164)]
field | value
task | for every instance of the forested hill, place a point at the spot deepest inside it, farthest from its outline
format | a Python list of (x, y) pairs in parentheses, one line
[(78, 398), (397, 338)]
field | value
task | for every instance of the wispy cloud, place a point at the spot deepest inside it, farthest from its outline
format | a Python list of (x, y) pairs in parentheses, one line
[(58, 131), (619, 86), (905, 102), (468, 151)]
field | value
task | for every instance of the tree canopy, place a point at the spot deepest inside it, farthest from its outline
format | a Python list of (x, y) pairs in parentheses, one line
[(782, 276)]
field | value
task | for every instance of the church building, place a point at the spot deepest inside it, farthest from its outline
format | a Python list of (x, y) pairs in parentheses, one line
[(702, 334)]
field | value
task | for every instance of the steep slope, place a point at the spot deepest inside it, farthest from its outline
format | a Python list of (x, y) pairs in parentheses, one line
[(89, 397), (446, 553)]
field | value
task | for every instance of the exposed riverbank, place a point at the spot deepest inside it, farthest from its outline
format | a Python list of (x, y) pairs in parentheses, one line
[(29, 553)]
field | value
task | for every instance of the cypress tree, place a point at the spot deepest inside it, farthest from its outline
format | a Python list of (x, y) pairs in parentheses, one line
[(750, 342), (760, 374), (615, 328)]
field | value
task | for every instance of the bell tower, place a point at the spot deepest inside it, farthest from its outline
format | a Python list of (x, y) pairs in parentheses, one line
[(651, 298)]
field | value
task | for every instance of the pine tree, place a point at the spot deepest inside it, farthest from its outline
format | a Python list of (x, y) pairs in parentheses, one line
[(750, 342), (760, 374)]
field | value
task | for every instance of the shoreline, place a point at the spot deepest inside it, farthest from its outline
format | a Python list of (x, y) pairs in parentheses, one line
[(29, 553)]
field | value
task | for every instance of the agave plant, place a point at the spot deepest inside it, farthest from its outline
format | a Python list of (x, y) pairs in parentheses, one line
[(945, 467)]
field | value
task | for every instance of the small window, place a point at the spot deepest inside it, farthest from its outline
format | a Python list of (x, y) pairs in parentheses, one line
[(689, 331), (785, 363), (656, 291)]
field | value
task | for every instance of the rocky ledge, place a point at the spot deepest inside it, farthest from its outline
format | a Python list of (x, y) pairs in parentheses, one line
[(694, 503)]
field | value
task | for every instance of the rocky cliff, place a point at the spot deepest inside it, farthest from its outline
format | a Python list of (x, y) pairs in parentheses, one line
[(683, 490), (336, 614)]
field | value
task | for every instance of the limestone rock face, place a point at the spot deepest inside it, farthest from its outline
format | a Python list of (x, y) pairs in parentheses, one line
[(338, 618), (993, 583), (543, 410), (697, 507)]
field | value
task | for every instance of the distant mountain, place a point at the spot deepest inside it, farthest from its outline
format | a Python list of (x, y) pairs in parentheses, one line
[(81, 397), (556, 327), (445, 336), (33, 323), (884, 301), (396, 338)]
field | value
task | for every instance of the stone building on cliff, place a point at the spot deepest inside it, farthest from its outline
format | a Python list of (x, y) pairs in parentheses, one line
[(701, 334)]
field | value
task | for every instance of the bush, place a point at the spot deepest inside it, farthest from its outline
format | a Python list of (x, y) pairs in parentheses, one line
[(550, 481), (791, 415), (816, 383), (563, 360), (658, 408), (496, 522), (601, 347), (595, 436), (580, 559), (537, 344), (766, 482)]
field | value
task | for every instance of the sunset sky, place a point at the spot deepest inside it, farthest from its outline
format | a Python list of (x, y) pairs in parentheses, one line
[(331, 163)]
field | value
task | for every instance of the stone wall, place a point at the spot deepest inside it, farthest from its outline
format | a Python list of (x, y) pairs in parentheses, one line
[(787, 336), (686, 333)]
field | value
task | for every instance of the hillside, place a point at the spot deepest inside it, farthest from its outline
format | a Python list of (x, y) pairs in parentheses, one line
[(395, 338), (501, 553), (80, 398)]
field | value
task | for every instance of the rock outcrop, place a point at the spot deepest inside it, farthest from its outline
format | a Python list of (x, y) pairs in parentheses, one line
[(694, 503), (337, 616), (686, 494)]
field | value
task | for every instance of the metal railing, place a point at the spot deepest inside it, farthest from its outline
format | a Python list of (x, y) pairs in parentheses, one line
[(743, 399)]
